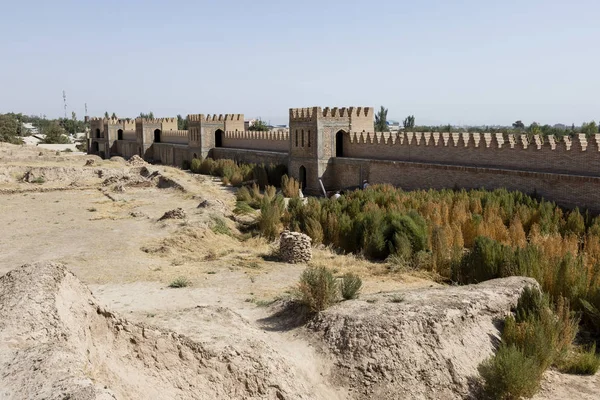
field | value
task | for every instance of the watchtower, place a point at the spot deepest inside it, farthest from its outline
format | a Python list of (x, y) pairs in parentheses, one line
[(317, 136), (148, 131), (208, 131)]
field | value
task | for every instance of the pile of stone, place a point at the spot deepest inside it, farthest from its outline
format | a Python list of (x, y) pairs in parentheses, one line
[(177, 213), (136, 161), (90, 162), (295, 247)]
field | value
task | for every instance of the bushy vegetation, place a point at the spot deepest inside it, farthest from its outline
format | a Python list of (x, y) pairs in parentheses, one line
[(318, 288), (350, 286), (465, 237), (290, 187), (539, 335), (235, 174), (180, 282)]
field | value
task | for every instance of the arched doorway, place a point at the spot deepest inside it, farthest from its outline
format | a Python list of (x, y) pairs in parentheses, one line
[(218, 138), (302, 177), (97, 132), (120, 134), (157, 136), (339, 144), (95, 147)]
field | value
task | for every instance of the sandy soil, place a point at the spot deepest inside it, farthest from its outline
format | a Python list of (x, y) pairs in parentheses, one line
[(108, 234)]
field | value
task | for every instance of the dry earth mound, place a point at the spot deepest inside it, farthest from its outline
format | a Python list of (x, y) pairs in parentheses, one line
[(56, 342), (421, 344)]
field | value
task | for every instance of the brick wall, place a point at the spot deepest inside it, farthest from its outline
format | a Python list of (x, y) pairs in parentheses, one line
[(250, 156), (261, 140)]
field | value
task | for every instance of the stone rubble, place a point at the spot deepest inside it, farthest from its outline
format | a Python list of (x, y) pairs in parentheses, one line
[(295, 247)]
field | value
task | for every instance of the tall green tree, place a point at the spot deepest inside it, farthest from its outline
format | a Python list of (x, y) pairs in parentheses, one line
[(381, 120), (182, 123), (106, 114), (518, 124), (534, 129), (409, 122), (589, 128), (150, 115), (55, 134), (9, 129), (259, 125), (113, 116)]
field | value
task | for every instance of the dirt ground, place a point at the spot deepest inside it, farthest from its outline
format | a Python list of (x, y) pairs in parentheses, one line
[(102, 222)]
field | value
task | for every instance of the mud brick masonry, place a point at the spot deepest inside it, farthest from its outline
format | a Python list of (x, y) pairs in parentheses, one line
[(340, 147)]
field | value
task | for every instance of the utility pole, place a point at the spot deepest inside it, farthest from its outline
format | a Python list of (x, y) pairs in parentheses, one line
[(65, 101)]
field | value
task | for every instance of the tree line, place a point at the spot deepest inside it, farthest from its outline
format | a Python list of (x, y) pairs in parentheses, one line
[(518, 127)]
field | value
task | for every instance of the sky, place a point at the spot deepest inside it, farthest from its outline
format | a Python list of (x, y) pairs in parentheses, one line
[(466, 62)]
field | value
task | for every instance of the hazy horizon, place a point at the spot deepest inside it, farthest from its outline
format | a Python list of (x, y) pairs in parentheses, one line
[(462, 64)]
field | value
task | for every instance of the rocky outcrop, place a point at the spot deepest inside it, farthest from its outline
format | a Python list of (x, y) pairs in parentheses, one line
[(419, 344), (57, 342)]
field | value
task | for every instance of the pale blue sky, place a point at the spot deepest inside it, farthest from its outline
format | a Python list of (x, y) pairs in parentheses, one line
[(460, 62)]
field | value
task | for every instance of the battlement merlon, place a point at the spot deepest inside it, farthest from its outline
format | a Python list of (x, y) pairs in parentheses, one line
[(476, 140), (348, 112), (307, 114), (215, 117)]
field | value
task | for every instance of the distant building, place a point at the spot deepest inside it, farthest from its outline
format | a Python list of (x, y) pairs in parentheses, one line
[(30, 128)]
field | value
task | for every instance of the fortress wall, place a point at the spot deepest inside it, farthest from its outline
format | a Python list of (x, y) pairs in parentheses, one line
[(250, 156), (175, 137), (566, 190), (170, 154), (257, 140), (127, 148), (576, 155), (129, 135)]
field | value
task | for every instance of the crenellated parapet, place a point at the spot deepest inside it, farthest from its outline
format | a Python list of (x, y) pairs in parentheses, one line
[(347, 112), (169, 120), (258, 135), (174, 133), (475, 140), (308, 114), (215, 117)]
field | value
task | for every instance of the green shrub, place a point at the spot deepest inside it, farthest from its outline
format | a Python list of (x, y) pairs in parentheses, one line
[(243, 194), (237, 179), (269, 221), (207, 166), (290, 187), (581, 362), (39, 180), (510, 374), (195, 165), (185, 165), (488, 260), (180, 282), (220, 227), (241, 207), (318, 288), (350, 286), (260, 175)]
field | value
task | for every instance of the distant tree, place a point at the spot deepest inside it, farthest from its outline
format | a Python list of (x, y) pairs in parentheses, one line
[(446, 128), (182, 123), (534, 129), (259, 125), (518, 124), (589, 128), (55, 134), (409, 122), (113, 116), (9, 129), (106, 114), (150, 115), (381, 120)]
